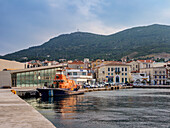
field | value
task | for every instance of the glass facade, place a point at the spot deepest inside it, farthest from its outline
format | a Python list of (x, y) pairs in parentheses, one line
[(35, 78)]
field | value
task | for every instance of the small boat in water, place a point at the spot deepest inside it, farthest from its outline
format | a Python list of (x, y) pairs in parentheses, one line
[(61, 86)]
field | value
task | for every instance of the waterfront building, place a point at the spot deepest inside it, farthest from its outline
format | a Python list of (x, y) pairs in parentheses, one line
[(134, 66), (157, 75), (80, 76), (96, 63), (38, 63), (76, 65), (114, 73), (159, 64), (87, 63), (139, 78), (86, 60), (11, 65), (145, 63), (31, 77), (49, 63), (33, 64), (168, 72)]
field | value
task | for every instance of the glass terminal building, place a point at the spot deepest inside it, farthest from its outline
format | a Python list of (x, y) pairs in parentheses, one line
[(34, 77)]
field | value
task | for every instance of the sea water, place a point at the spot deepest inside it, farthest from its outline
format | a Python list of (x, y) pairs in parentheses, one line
[(126, 108)]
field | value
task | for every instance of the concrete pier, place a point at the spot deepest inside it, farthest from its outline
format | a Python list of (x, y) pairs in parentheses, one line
[(16, 113)]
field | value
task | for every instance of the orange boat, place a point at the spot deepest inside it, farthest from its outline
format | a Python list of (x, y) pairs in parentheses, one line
[(61, 86), (61, 81)]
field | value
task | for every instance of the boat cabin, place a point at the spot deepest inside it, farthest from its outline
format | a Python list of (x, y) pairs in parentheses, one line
[(60, 81)]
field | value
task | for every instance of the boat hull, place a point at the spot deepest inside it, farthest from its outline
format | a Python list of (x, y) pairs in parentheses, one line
[(53, 92)]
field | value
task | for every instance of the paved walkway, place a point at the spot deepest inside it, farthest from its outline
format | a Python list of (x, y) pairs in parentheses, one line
[(16, 113)]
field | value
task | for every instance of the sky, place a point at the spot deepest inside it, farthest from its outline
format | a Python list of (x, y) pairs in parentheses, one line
[(27, 23)]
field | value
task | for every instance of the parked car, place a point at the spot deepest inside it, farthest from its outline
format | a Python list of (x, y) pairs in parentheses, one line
[(101, 85), (107, 84), (94, 86), (88, 86), (137, 84), (122, 84), (116, 84)]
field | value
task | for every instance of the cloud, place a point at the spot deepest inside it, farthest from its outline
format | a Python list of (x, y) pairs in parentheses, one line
[(26, 23)]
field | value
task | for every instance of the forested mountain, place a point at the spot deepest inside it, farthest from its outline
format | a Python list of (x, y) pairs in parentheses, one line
[(139, 40)]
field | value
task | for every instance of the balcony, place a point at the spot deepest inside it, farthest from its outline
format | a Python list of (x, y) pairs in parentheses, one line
[(117, 72)]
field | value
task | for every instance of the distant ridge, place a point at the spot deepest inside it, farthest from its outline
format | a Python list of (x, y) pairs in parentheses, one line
[(142, 41)]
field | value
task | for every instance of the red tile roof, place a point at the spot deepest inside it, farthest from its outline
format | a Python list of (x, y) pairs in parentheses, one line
[(77, 62), (146, 61), (129, 61), (116, 64)]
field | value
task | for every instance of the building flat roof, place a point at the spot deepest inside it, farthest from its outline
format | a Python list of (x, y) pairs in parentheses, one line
[(38, 68)]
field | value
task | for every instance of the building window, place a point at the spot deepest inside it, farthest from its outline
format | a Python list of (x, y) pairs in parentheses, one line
[(122, 80), (108, 73), (111, 69), (122, 69), (115, 69), (164, 77), (125, 79), (125, 74), (84, 73), (163, 72), (108, 69), (155, 72), (112, 74), (125, 69), (160, 72), (136, 66), (69, 73), (155, 76), (118, 69), (160, 77), (75, 73), (122, 74)]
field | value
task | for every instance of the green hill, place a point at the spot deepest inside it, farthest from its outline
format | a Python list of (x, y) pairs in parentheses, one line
[(141, 40)]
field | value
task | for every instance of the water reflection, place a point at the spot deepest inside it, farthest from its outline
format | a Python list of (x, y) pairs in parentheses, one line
[(123, 108)]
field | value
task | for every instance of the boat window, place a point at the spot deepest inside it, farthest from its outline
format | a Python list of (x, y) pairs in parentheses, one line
[(61, 80), (58, 80)]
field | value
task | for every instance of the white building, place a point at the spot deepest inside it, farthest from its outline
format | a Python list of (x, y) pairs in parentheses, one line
[(79, 76), (139, 77), (159, 64)]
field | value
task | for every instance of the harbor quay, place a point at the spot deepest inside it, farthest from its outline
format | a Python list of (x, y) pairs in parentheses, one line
[(17, 113), (32, 92)]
